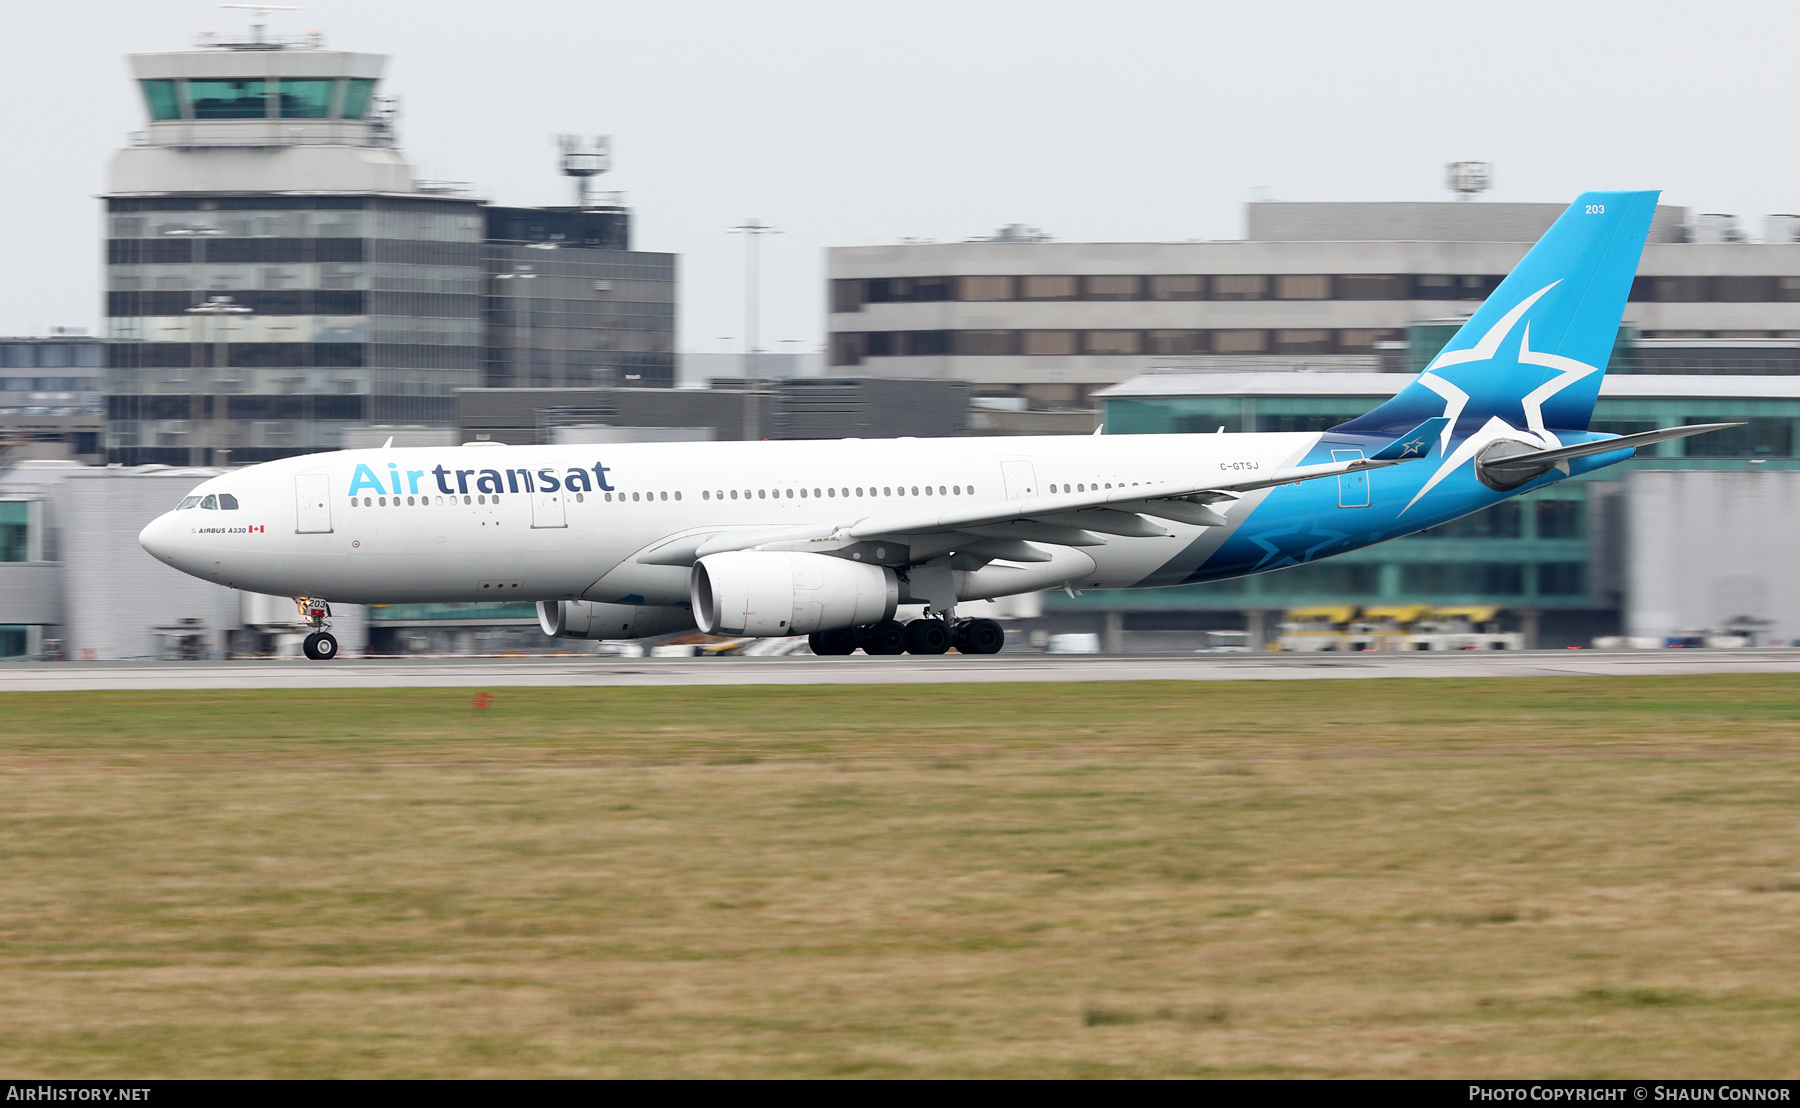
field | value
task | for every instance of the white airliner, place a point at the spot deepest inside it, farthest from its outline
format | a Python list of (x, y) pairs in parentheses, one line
[(752, 538), (827, 539)]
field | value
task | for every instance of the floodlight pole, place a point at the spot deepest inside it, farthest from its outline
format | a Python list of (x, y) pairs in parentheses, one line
[(752, 229)]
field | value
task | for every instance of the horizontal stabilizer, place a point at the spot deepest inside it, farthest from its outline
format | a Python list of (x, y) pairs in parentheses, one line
[(1416, 443), (1536, 458)]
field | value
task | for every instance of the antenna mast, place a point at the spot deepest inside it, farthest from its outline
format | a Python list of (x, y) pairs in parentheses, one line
[(260, 22)]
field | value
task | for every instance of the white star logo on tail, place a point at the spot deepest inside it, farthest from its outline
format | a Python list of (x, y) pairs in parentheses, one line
[(1456, 399)]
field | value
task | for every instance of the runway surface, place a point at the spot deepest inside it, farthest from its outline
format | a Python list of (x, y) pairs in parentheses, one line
[(858, 669)]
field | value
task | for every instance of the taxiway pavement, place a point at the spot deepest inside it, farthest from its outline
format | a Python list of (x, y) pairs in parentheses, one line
[(348, 673)]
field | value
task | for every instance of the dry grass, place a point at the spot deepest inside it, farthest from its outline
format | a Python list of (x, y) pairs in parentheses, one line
[(1499, 877)]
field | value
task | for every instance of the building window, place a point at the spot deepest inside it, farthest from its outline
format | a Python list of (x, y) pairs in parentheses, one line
[(1670, 290), (1363, 341), (1175, 342), (159, 97), (982, 343), (1743, 290), (1048, 288), (357, 94), (1203, 425), (1561, 578), (1302, 342), (1384, 286), (1047, 342), (1463, 579), (1787, 289), (1505, 520), (1302, 286), (1326, 579), (984, 288), (308, 99), (1758, 438), (1240, 286), (1560, 519), (1184, 286), (1111, 287), (847, 347), (1112, 342), (927, 344), (1284, 423), (227, 99), (846, 296), (15, 530), (1240, 342), (1434, 286), (906, 290)]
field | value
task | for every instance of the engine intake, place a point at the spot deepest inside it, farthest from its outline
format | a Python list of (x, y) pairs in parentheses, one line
[(769, 593), (585, 619)]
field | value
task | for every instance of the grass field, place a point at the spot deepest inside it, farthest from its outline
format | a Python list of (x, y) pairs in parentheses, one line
[(1575, 877)]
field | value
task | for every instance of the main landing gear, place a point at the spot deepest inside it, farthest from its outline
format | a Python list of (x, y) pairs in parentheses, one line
[(921, 636), (320, 645)]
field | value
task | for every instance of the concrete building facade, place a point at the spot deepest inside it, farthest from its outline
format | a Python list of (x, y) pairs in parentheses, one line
[(1057, 321)]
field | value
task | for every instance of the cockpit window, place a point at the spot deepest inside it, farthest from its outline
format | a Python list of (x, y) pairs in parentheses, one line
[(228, 502), (210, 502), (188, 503)]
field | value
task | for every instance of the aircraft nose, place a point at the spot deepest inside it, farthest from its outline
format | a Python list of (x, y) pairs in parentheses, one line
[(158, 539)]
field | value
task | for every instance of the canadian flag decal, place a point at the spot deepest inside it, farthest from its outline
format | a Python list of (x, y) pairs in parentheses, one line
[(256, 528)]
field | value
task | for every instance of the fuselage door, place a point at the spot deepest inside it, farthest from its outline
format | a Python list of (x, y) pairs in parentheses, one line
[(547, 509), (1353, 487), (312, 496), (1021, 480)]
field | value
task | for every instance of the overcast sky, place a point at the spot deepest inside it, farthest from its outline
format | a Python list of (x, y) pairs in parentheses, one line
[(852, 123)]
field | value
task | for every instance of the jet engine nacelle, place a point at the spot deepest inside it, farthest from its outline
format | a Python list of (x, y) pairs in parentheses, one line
[(771, 593), (584, 619)]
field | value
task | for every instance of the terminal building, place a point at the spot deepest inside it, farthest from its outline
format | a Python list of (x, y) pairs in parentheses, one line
[(276, 274), (52, 397), (1054, 322)]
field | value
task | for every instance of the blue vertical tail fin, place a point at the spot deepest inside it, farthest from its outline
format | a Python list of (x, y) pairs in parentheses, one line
[(1533, 354)]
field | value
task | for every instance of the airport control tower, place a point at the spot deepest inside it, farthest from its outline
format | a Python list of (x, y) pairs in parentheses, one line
[(276, 275), (274, 272)]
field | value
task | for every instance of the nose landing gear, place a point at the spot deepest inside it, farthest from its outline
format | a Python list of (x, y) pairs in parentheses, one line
[(320, 645)]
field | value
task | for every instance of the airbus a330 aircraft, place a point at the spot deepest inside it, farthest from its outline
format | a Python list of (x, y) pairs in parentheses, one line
[(827, 539)]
